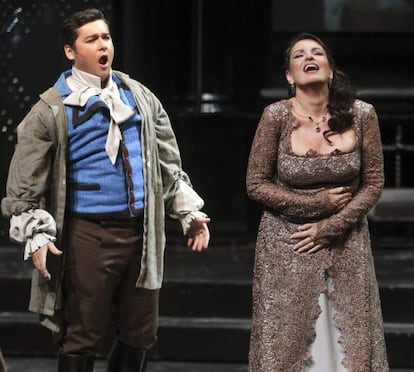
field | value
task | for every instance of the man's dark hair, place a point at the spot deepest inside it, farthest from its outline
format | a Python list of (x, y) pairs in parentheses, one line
[(69, 32)]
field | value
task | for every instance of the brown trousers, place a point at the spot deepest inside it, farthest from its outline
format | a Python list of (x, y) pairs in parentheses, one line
[(102, 263)]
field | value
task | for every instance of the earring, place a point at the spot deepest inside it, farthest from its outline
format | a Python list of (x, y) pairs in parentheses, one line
[(330, 82), (292, 89)]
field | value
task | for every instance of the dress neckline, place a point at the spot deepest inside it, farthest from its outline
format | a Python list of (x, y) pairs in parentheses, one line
[(292, 124)]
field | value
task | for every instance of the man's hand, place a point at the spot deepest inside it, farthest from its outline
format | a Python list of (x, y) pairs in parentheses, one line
[(198, 234), (39, 258)]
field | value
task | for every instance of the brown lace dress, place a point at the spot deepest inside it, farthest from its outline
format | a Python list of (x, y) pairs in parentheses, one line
[(287, 285)]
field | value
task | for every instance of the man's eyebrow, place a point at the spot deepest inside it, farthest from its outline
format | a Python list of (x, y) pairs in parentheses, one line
[(93, 36)]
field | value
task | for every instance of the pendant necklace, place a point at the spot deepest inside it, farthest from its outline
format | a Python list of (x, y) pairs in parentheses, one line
[(317, 127), (312, 120)]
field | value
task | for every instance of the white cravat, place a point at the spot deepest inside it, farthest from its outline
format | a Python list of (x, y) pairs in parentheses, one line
[(84, 86)]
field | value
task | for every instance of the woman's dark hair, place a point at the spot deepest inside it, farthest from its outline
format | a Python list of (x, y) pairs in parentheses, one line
[(341, 92), (69, 32)]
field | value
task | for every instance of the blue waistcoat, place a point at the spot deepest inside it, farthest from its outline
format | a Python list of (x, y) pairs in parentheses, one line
[(97, 188)]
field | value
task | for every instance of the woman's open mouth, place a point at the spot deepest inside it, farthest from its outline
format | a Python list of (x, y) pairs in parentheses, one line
[(311, 67)]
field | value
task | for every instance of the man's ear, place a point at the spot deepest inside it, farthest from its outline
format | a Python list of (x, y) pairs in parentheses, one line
[(69, 52)]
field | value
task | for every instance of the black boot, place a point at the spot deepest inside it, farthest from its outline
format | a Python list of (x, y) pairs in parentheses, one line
[(75, 362), (124, 358)]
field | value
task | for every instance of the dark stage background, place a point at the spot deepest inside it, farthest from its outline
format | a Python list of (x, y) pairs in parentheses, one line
[(215, 65)]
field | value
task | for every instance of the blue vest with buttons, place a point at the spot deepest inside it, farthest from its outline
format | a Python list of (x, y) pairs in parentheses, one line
[(97, 188)]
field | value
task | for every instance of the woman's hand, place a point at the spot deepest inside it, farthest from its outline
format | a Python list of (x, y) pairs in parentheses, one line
[(39, 258), (339, 196), (198, 234), (305, 238)]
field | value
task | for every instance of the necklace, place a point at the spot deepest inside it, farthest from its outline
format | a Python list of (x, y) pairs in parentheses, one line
[(312, 119), (322, 120)]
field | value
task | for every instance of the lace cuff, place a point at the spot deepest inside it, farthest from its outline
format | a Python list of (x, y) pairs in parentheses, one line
[(34, 228), (186, 221), (33, 244), (186, 205)]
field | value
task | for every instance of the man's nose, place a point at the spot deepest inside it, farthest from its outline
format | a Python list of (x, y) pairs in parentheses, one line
[(103, 43)]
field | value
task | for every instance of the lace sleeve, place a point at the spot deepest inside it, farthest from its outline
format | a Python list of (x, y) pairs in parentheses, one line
[(371, 181), (262, 165)]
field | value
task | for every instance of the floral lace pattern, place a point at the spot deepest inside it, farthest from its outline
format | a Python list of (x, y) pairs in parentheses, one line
[(286, 287)]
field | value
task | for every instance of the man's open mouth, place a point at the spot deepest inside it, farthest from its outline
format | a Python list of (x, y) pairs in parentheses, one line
[(103, 60)]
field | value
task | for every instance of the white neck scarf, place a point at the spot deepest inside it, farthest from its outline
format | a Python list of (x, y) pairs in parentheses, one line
[(85, 86)]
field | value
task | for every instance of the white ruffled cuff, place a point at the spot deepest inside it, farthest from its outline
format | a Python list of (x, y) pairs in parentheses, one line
[(186, 205), (33, 244), (34, 228), (186, 221), (186, 200)]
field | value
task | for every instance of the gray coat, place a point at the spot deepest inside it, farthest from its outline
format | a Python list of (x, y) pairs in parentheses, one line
[(37, 180)]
